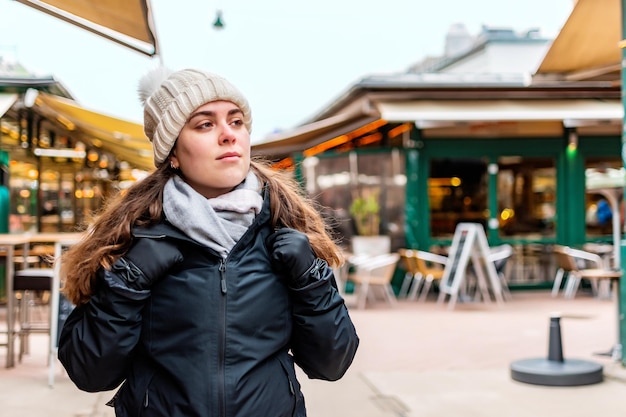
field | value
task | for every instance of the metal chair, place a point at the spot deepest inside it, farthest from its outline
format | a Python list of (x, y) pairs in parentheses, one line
[(412, 277), (499, 256), (573, 264), (422, 269), (341, 278), (27, 284), (376, 271)]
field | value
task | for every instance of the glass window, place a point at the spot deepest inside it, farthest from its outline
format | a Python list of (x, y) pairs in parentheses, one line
[(23, 187), (457, 192), (50, 219), (377, 178), (598, 207), (526, 196), (47, 201)]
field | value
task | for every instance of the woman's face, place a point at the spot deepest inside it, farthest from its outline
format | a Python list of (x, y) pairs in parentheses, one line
[(213, 149)]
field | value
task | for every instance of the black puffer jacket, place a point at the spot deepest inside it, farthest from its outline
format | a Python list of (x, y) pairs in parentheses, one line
[(214, 338)]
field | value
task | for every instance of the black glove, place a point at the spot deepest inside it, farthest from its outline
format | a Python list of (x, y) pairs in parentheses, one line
[(291, 254), (146, 262)]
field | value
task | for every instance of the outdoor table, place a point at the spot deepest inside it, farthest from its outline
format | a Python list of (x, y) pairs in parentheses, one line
[(9, 242), (605, 251)]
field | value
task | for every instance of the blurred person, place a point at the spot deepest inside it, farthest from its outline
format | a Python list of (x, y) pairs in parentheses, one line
[(49, 209), (200, 287), (604, 212)]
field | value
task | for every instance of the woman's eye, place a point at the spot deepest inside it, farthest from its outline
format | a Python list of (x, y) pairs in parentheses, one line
[(237, 122)]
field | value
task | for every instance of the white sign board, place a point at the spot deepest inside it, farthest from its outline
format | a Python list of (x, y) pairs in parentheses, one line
[(469, 243)]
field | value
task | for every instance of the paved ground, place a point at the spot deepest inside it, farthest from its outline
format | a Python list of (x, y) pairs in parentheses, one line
[(415, 360)]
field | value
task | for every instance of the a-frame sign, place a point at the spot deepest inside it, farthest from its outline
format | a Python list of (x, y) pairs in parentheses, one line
[(469, 243)]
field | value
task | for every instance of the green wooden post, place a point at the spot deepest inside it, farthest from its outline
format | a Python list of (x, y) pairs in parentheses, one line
[(412, 212), (413, 219), (574, 192), (493, 229)]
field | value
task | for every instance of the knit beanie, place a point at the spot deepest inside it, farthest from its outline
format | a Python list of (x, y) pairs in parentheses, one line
[(169, 98)]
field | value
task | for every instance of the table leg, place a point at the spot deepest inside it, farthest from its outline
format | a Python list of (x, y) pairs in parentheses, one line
[(617, 349), (10, 271), (54, 312), (9, 268)]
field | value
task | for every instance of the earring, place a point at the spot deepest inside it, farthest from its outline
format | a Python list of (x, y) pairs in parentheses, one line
[(172, 165)]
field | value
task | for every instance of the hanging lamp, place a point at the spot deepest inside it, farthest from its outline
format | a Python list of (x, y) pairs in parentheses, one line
[(218, 23)]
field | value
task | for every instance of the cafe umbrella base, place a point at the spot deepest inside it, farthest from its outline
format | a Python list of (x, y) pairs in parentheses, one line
[(556, 370)]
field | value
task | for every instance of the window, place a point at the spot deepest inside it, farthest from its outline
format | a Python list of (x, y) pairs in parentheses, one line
[(457, 192), (598, 208), (336, 181), (526, 196)]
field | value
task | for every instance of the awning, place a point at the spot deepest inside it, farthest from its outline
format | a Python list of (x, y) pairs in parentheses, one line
[(429, 113), (588, 40), (127, 22), (126, 140), (607, 178), (6, 101), (312, 134)]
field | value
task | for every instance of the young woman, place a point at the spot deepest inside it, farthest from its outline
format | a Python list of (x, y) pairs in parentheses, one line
[(201, 286)]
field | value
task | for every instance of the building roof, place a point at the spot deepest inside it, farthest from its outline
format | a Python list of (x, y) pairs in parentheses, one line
[(462, 49), (16, 79), (405, 86)]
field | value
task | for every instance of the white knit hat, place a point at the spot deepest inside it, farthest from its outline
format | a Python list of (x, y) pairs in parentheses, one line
[(169, 98)]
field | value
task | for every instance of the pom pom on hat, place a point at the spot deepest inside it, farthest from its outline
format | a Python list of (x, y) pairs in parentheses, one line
[(169, 98), (151, 81)]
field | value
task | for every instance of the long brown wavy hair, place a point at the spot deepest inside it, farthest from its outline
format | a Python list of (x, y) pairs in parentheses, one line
[(109, 234)]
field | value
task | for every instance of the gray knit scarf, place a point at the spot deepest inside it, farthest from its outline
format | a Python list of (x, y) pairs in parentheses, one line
[(216, 222)]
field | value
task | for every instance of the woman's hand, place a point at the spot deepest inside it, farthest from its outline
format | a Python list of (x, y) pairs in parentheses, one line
[(146, 262), (291, 254)]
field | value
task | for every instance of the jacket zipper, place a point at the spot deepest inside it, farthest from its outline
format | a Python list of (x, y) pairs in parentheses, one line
[(222, 342), (221, 389)]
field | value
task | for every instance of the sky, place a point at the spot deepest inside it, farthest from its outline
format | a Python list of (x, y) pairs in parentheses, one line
[(290, 59)]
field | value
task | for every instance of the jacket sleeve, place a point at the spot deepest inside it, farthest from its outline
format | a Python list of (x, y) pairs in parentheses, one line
[(324, 340), (98, 338)]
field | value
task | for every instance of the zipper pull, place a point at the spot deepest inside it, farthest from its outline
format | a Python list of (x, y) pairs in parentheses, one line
[(222, 276)]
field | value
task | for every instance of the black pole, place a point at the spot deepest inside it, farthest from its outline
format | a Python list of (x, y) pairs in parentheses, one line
[(555, 346)]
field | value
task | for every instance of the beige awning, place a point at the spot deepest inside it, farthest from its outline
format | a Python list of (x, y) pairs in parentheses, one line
[(588, 40), (125, 139), (6, 101), (605, 178), (127, 22), (430, 113)]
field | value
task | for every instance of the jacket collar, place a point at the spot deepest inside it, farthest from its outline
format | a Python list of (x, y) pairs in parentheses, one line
[(165, 228)]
